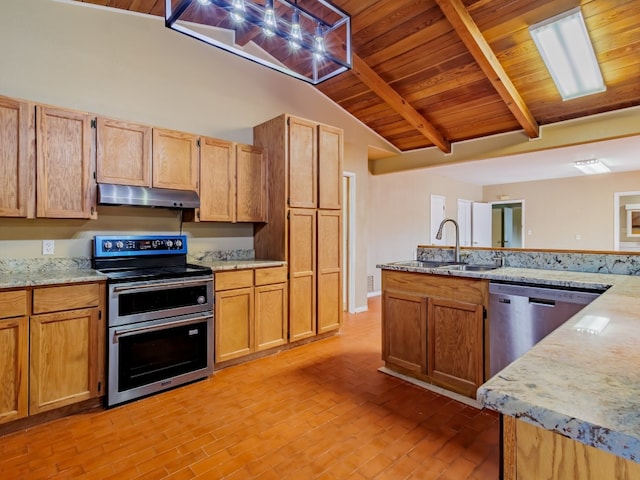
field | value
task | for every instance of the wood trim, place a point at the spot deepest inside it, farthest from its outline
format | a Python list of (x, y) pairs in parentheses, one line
[(509, 471), (470, 34), (392, 98)]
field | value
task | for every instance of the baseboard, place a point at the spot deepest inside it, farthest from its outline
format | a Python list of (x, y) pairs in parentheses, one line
[(360, 309), (428, 386), (374, 294)]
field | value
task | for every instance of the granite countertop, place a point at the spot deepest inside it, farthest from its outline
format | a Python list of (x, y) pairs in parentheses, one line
[(583, 386), (222, 265), (32, 278)]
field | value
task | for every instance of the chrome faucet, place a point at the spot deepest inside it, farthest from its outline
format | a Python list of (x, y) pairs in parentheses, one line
[(439, 236)]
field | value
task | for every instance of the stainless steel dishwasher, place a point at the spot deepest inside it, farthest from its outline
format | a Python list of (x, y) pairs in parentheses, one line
[(522, 315)]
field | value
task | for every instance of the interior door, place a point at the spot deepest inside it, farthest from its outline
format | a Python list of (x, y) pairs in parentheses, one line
[(481, 224), (507, 227)]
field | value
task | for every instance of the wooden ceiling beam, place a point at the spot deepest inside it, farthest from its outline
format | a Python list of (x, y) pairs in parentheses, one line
[(472, 37), (392, 98)]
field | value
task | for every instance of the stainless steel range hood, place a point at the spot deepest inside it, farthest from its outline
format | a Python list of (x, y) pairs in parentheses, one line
[(110, 194)]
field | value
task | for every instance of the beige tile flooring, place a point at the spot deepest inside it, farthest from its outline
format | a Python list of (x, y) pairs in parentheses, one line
[(321, 411)]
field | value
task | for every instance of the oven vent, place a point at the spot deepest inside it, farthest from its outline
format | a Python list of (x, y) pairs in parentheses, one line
[(110, 194)]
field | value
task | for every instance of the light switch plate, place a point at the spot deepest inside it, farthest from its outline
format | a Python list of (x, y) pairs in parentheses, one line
[(48, 247)]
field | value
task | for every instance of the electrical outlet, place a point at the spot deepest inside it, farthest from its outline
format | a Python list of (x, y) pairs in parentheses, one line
[(48, 247)]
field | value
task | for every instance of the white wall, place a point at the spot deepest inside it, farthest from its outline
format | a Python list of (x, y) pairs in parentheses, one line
[(399, 213), (130, 66)]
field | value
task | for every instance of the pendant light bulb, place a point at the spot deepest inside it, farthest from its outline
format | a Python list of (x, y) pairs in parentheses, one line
[(269, 21), (204, 2), (295, 39), (318, 44), (237, 11)]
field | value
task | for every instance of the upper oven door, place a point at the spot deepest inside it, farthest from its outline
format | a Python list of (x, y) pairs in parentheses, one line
[(132, 302)]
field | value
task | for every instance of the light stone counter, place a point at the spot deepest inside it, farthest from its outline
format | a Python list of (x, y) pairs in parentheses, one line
[(585, 387), (32, 278), (222, 265)]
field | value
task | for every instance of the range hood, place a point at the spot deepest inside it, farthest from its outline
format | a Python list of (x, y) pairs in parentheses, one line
[(110, 194)]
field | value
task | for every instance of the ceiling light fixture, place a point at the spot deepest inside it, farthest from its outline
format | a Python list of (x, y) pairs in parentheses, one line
[(310, 42), (566, 49), (591, 167)]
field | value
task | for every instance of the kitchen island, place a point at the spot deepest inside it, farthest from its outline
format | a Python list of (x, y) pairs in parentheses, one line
[(572, 402)]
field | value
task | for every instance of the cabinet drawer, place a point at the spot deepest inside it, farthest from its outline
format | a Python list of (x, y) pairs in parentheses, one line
[(67, 297), (235, 279), (266, 276), (13, 303)]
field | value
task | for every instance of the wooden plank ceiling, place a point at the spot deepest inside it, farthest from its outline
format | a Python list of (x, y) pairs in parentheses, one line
[(435, 72)]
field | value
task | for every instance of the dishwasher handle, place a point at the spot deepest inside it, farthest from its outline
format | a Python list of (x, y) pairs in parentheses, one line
[(543, 302)]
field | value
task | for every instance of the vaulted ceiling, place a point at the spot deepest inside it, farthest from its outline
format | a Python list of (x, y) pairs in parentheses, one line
[(435, 72)]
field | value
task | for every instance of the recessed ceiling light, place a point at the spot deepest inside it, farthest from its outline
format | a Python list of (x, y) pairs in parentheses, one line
[(591, 167)]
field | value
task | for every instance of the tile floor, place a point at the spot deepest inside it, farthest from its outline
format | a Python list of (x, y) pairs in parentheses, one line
[(321, 411)]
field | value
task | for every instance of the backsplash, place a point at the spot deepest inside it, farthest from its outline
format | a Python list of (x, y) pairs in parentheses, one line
[(620, 264)]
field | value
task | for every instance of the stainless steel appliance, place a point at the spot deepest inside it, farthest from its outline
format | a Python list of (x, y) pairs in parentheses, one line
[(160, 315), (522, 315)]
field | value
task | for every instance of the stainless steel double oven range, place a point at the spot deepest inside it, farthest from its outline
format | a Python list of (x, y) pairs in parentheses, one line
[(160, 315)]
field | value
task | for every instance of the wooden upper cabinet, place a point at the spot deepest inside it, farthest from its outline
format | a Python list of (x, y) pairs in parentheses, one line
[(16, 151), (251, 184), (303, 163), (330, 148), (123, 152), (175, 160), (65, 186), (217, 180)]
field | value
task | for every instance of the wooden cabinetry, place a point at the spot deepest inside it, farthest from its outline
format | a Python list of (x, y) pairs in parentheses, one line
[(14, 355), (123, 152), (16, 158), (233, 184), (175, 160), (251, 311), (433, 328), (66, 361), (304, 168), (65, 165)]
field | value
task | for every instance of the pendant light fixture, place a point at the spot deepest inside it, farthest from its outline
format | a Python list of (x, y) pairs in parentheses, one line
[(310, 41)]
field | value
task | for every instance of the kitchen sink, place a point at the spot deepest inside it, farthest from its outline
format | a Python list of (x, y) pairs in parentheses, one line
[(468, 267), (421, 264)]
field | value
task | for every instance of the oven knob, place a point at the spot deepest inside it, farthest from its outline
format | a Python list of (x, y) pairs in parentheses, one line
[(169, 243), (178, 243), (108, 244), (119, 244), (201, 299)]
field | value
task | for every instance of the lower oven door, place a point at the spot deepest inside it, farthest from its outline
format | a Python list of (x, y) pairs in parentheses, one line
[(148, 357)]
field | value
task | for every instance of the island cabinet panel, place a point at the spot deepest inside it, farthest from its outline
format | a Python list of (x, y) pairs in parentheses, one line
[(251, 184), (302, 273), (404, 331), (16, 157), (303, 163), (217, 180), (455, 345), (234, 323), (14, 368), (175, 160), (65, 164), (540, 453), (123, 152), (329, 270), (63, 367)]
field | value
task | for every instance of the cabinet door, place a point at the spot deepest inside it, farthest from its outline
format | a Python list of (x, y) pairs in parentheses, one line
[(303, 164), (15, 152), (329, 167), (404, 330), (302, 273), (175, 160), (329, 271), (63, 358), (217, 180), (14, 368), (65, 186), (123, 152), (251, 185), (271, 315), (456, 345), (233, 324)]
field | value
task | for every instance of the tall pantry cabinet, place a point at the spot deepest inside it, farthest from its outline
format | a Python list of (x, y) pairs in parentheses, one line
[(304, 224)]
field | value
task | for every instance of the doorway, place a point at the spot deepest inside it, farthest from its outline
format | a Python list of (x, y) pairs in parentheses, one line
[(348, 241), (507, 224)]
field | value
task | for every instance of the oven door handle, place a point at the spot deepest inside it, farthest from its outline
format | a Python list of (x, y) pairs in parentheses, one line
[(162, 326), (139, 287)]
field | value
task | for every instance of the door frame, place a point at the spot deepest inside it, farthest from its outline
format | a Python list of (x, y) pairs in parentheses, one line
[(349, 240), (521, 202), (616, 216)]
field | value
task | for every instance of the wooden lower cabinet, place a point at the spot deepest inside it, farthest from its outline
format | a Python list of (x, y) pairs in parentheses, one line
[(329, 296), (302, 273), (404, 337), (251, 311), (433, 328), (14, 368)]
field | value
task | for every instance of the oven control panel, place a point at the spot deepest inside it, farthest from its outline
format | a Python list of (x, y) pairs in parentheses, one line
[(111, 246)]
